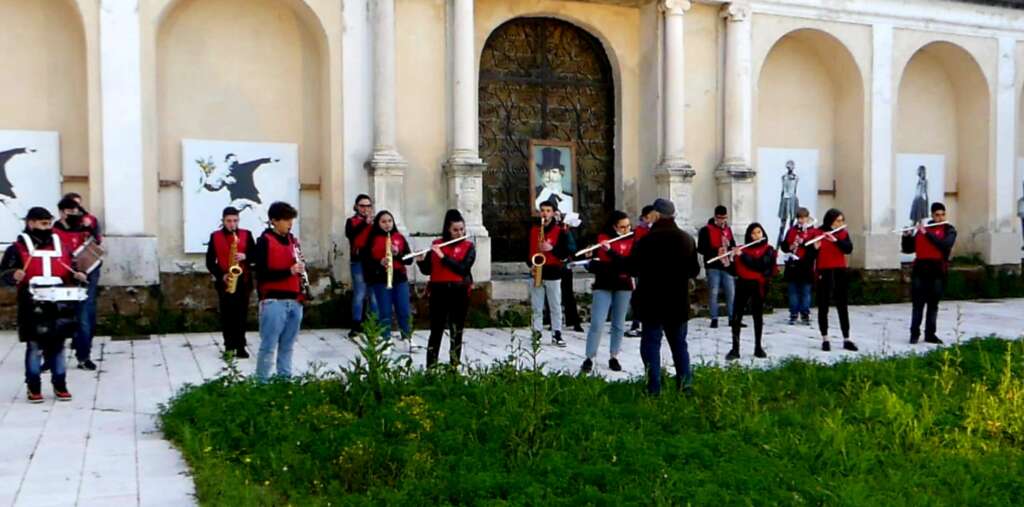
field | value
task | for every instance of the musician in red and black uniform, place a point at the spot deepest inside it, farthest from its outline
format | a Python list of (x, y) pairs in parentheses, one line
[(613, 289), (799, 268), (830, 270), (34, 254), (393, 300), (554, 248), (357, 230), (76, 227), (932, 247), (643, 227), (279, 270), (755, 266), (234, 307), (451, 279), (715, 239)]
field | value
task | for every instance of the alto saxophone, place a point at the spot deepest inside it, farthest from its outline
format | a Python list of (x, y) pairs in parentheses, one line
[(389, 259), (234, 270), (538, 260)]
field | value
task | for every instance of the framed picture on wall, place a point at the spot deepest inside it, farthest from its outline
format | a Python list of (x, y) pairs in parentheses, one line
[(553, 174), (29, 176)]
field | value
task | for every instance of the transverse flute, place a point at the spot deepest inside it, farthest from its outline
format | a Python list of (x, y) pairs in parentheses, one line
[(908, 229), (599, 245), (730, 252), (819, 238), (427, 250)]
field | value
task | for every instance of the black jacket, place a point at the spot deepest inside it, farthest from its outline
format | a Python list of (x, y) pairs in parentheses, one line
[(931, 268), (245, 282), (707, 252), (664, 261)]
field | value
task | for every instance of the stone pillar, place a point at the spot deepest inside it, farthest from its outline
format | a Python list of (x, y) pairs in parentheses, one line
[(386, 165), (999, 244), (735, 176), (674, 175), (878, 247), (131, 255)]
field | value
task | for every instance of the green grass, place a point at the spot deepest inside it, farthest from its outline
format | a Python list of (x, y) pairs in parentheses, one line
[(941, 429)]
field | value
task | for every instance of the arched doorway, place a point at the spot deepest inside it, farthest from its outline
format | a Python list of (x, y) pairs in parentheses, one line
[(543, 79)]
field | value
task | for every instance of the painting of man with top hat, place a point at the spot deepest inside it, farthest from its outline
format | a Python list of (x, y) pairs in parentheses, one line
[(553, 174)]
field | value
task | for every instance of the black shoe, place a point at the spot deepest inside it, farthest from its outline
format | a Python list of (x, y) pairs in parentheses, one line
[(587, 366), (732, 355), (633, 333), (577, 328), (353, 333), (714, 323), (914, 340), (805, 320), (933, 339), (87, 365), (556, 339), (826, 346), (613, 365), (742, 325), (759, 352), (849, 345), (45, 367), (792, 321), (241, 353)]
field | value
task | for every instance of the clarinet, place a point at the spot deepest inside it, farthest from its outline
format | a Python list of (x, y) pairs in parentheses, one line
[(304, 285)]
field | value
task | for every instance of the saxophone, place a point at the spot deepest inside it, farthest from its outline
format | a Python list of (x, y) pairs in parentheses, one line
[(538, 260), (389, 259), (234, 270)]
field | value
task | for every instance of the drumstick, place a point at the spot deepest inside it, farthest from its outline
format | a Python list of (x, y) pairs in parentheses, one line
[(819, 238), (599, 245), (741, 247)]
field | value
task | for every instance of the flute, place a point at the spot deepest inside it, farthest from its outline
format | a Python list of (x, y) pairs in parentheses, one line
[(933, 224), (741, 247), (427, 250), (819, 238), (599, 245)]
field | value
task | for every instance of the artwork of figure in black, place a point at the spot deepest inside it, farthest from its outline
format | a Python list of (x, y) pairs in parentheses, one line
[(919, 207), (7, 196), (553, 179), (788, 201), (237, 177), (1020, 214)]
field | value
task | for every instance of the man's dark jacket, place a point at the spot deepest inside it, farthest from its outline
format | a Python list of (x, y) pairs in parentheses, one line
[(664, 261)]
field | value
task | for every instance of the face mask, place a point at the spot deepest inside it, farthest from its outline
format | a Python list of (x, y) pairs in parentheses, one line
[(41, 236), (74, 220)]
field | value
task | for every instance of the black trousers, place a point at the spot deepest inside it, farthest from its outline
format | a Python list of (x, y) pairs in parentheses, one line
[(833, 287), (449, 303), (572, 314), (748, 292), (234, 313), (925, 290)]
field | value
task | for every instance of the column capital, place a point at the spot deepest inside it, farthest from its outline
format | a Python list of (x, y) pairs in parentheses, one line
[(674, 7), (735, 11)]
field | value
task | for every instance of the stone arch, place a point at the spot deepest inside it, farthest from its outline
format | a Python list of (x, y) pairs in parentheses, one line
[(810, 96), (944, 108)]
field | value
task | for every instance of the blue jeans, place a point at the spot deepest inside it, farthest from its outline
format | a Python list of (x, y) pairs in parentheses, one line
[(33, 366), (718, 278), (82, 341), (605, 301), (650, 352), (799, 299), (360, 293), (393, 301), (279, 325)]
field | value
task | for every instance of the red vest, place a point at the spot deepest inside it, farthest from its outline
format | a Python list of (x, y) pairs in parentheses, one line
[(622, 247), (359, 241), (222, 246), (746, 272), (280, 257), (552, 237), (53, 261), (641, 231), (925, 250), (715, 236), (72, 239), (829, 256), (795, 233), (379, 249), (439, 272)]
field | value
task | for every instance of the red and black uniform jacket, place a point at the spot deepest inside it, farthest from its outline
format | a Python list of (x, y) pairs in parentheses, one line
[(611, 267), (642, 229), (272, 260), (456, 266), (557, 236), (757, 264), (802, 269), (830, 255), (218, 262), (357, 230), (710, 238), (932, 250), (17, 257), (376, 248)]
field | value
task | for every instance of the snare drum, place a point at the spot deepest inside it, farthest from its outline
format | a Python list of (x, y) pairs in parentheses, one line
[(59, 294), (87, 257)]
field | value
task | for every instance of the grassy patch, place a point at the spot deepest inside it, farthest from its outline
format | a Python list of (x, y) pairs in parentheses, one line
[(942, 429)]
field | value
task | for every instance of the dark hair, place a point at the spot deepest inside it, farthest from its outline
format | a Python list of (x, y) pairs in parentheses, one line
[(376, 230), (229, 211), (647, 210), (68, 203), (550, 204), (282, 211), (450, 217), (720, 210), (613, 218), (803, 212), (830, 216), (360, 197), (229, 155), (748, 236), (938, 206), (72, 195)]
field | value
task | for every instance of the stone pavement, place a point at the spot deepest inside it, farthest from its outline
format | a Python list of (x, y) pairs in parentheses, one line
[(104, 449)]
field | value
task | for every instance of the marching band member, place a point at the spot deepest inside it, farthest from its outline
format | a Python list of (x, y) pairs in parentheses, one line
[(233, 301), (715, 239), (279, 270), (75, 228), (613, 288), (831, 273), (357, 230), (393, 299), (38, 252), (932, 246), (550, 242), (451, 279), (643, 226), (799, 273), (754, 266)]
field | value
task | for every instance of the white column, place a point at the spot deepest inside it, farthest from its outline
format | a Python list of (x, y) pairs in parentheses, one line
[(1000, 245), (675, 174), (880, 246), (387, 167), (735, 176), (131, 256)]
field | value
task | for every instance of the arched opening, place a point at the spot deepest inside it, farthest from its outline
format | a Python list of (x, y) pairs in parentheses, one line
[(550, 82), (241, 70), (810, 110), (943, 118)]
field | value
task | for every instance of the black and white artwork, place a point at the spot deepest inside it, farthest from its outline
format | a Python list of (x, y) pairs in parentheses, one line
[(787, 179), (29, 176), (1019, 185), (246, 175), (921, 182), (553, 174)]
